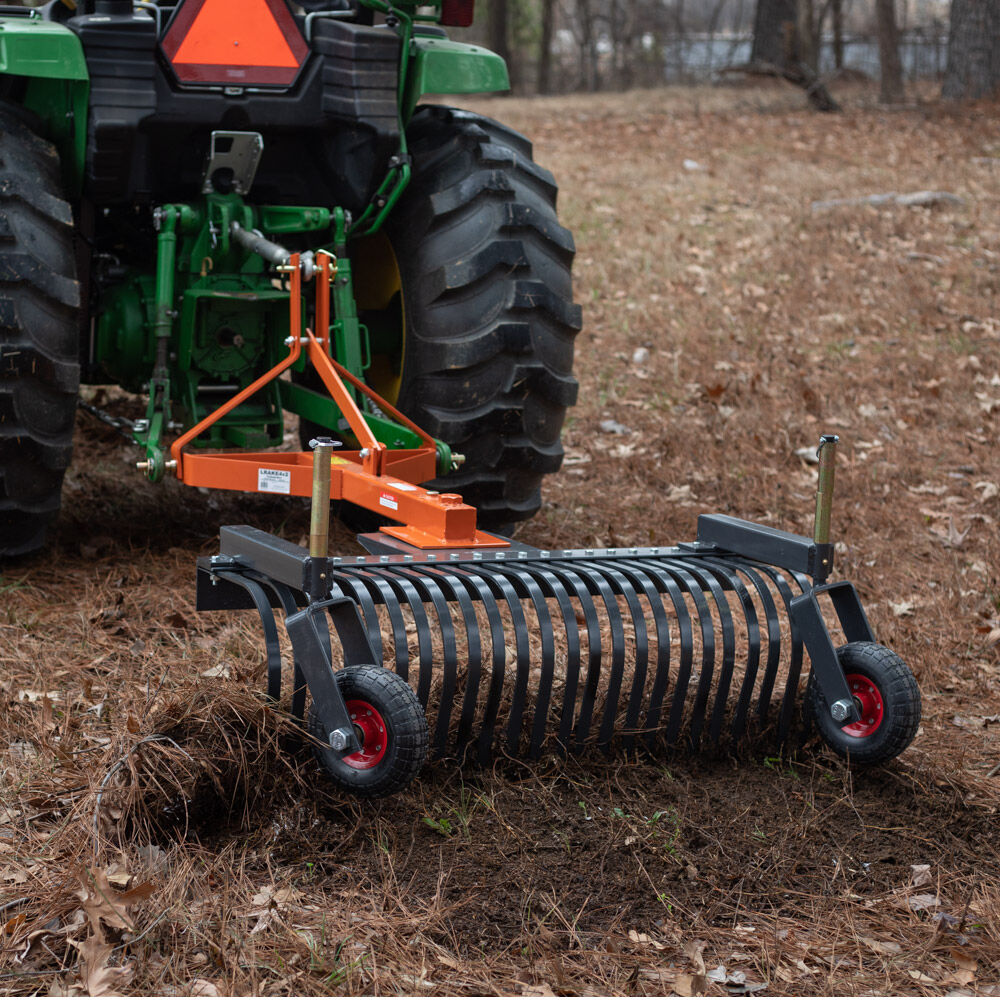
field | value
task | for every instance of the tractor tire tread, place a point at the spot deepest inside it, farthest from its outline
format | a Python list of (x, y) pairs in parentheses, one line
[(39, 335), (489, 347)]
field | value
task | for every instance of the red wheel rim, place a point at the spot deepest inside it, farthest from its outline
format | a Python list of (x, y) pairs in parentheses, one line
[(371, 731), (868, 698)]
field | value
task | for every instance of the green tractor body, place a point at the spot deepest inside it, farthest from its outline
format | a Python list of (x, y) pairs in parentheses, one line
[(153, 178)]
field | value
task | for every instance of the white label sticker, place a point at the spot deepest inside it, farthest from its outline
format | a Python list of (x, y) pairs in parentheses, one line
[(405, 487), (274, 480), (388, 500)]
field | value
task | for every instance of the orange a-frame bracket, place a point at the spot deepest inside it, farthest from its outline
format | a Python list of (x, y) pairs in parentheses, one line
[(375, 477)]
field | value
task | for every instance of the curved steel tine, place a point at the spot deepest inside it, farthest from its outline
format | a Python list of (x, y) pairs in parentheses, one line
[(455, 590), (449, 648), (666, 584), (795, 662), (272, 645), (727, 574), (360, 584), (694, 588), (565, 576), (545, 628), (403, 590), (661, 678), (627, 590), (382, 593), (596, 583), (523, 672), (289, 606), (773, 624), (709, 583), (479, 588), (557, 589)]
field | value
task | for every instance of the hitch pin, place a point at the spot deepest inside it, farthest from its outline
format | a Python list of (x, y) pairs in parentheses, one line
[(319, 514), (827, 455)]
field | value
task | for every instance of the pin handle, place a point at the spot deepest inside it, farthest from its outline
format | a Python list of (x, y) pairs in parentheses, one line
[(827, 455)]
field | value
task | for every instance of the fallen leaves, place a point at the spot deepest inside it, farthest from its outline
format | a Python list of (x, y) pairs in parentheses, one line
[(106, 911)]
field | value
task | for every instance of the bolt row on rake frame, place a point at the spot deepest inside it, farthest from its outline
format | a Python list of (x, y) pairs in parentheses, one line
[(371, 733)]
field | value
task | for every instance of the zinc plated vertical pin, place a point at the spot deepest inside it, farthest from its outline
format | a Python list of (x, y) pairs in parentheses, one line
[(319, 515)]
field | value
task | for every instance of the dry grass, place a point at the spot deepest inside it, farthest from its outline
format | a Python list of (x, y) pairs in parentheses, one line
[(160, 831)]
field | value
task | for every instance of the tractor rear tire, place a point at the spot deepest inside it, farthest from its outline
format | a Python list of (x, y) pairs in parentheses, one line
[(39, 336), (484, 270)]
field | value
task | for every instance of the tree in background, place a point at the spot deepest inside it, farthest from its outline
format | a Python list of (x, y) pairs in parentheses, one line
[(973, 68), (891, 69), (786, 40)]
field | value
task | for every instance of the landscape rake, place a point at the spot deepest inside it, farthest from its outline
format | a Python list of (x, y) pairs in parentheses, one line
[(522, 648)]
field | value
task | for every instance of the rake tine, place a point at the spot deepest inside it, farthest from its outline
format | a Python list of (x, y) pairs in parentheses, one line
[(272, 645), (726, 575), (403, 590), (795, 664), (596, 584), (429, 590), (791, 691), (289, 606), (456, 589), (419, 590), (502, 588), (773, 651), (530, 585), (666, 584), (361, 584), (476, 586), (564, 580), (627, 589), (693, 587), (710, 584), (383, 594), (661, 677)]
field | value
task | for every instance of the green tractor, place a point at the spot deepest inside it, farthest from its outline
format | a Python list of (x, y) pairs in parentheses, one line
[(159, 164)]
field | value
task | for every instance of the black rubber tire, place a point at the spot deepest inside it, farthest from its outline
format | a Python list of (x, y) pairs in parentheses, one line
[(490, 320), (39, 336), (406, 728), (900, 705)]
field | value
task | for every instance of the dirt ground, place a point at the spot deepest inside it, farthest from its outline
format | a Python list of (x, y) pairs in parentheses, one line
[(159, 833)]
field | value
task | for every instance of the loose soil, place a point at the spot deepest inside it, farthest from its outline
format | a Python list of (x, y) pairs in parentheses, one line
[(161, 832)]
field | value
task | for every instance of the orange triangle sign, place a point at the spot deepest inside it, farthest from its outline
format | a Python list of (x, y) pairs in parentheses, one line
[(235, 42)]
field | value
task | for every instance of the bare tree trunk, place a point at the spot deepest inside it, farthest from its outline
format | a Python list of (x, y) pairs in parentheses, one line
[(770, 28), (837, 16), (805, 35), (888, 53), (973, 68), (545, 47), (778, 46), (497, 21)]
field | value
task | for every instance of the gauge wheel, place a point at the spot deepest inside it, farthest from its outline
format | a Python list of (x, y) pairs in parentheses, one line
[(886, 694), (389, 724)]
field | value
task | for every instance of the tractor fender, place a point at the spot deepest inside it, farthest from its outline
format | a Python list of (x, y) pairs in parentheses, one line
[(441, 66), (49, 57)]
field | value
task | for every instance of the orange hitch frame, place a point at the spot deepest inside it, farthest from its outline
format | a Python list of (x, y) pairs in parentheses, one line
[(380, 479)]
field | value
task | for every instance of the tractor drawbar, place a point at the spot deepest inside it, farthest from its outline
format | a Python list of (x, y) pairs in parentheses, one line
[(521, 649)]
